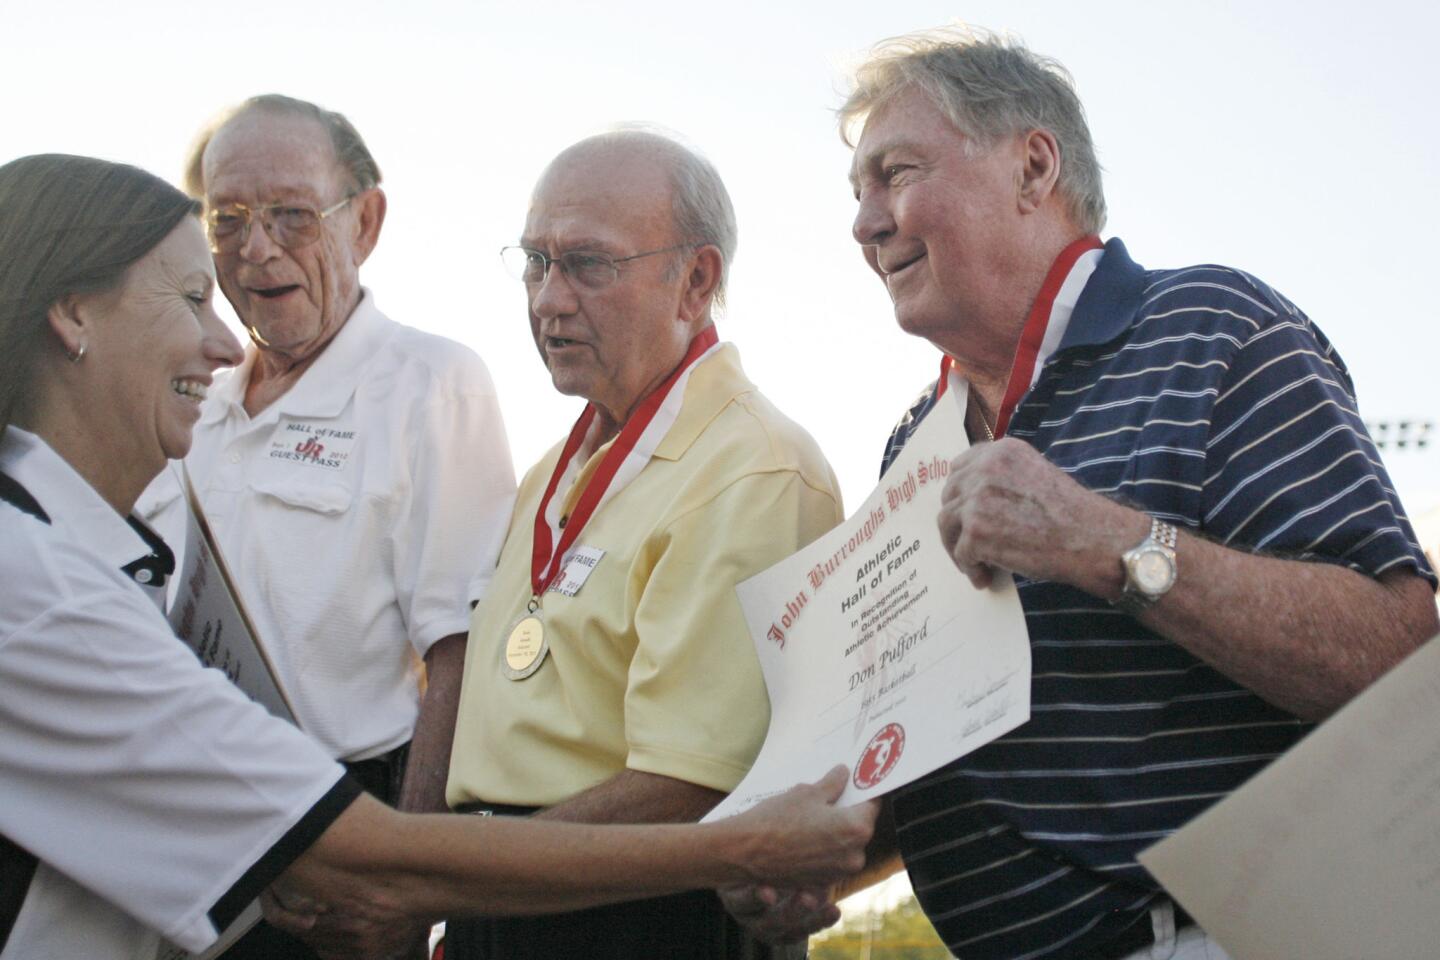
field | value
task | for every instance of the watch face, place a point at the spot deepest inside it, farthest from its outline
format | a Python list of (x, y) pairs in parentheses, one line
[(1153, 572)]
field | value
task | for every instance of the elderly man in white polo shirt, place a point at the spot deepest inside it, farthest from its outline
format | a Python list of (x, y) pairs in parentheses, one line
[(355, 471)]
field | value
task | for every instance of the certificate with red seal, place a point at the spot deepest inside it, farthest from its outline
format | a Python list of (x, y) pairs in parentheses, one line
[(877, 651)]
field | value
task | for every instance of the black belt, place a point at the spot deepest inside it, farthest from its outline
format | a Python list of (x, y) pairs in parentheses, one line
[(482, 809), (381, 776)]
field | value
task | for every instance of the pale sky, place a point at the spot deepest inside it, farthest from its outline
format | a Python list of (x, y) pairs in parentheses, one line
[(1294, 140)]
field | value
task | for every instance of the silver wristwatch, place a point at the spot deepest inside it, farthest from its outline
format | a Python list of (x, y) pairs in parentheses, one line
[(1149, 569)]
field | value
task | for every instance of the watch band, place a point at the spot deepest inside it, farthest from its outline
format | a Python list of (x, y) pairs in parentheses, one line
[(1163, 533)]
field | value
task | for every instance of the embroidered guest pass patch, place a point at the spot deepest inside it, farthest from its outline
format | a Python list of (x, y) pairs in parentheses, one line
[(578, 565), (313, 444)]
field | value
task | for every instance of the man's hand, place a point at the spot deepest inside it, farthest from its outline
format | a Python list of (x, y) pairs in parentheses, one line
[(801, 839), (1304, 635), (1005, 507), (363, 934), (775, 916), (289, 910)]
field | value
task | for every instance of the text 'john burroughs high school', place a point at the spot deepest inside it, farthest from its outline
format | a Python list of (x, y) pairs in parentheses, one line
[(896, 496)]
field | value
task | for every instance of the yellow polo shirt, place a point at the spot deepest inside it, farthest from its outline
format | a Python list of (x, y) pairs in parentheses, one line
[(651, 666)]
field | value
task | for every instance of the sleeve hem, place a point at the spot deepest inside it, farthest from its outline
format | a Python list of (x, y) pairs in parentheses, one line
[(286, 851), (708, 772), (428, 634)]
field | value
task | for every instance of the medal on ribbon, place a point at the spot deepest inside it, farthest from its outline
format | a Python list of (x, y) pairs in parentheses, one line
[(526, 643), (525, 647)]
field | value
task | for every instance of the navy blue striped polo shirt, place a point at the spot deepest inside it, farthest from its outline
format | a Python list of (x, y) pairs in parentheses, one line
[(1204, 398)]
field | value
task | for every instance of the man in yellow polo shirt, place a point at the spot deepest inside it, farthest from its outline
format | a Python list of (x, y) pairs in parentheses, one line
[(610, 677)]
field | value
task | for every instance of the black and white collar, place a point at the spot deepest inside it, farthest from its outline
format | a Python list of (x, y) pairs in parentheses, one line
[(39, 482)]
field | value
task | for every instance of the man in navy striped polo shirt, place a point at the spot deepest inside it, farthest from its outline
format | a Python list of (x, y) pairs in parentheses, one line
[(1208, 551)]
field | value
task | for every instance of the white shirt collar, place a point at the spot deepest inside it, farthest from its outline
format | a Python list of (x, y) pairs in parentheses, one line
[(325, 388)]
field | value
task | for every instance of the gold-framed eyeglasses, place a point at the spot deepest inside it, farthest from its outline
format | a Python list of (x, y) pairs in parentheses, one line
[(587, 269), (291, 225)]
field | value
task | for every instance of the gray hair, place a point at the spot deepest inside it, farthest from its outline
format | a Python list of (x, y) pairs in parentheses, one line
[(991, 88), (701, 207), (350, 151)]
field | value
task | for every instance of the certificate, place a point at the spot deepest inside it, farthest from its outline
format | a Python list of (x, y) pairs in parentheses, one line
[(877, 652), (208, 615), (1333, 851)]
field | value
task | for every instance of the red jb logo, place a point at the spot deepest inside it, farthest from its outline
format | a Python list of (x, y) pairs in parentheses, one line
[(310, 448), (880, 756)]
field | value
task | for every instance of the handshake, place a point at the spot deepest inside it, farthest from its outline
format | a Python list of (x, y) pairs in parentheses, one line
[(376, 880)]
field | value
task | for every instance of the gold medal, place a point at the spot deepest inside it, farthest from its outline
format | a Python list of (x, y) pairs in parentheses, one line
[(525, 649)]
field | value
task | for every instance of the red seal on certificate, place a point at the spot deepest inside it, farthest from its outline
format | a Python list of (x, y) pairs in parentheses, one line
[(880, 756)]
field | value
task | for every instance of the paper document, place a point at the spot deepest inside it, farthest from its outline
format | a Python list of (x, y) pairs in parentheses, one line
[(1333, 851), (877, 652), (208, 615)]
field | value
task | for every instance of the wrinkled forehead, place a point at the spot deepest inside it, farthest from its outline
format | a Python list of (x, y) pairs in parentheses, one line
[(263, 156), (907, 118), (864, 130), (180, 261), (604, 199), (186, 249)]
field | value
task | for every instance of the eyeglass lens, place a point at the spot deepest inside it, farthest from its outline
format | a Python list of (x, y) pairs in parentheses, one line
[(290, 227), (584, 269)]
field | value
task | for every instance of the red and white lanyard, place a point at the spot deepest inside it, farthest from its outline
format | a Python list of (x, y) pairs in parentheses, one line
[(1035, 346), (627, 456)]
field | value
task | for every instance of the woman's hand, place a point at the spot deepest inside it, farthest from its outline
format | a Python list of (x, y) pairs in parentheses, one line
[(801, 839)]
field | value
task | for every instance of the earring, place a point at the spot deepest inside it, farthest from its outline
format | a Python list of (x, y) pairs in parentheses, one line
[(78, 355)]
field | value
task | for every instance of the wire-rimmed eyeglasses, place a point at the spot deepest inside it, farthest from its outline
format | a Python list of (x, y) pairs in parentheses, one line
[(291, 225), (584, 268)]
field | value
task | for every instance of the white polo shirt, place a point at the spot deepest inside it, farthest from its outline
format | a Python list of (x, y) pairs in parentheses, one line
[(157, 799), (354, 511)]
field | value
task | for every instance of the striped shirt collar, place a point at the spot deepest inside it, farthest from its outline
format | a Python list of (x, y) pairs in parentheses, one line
[(1118, 280), (1083, 312)]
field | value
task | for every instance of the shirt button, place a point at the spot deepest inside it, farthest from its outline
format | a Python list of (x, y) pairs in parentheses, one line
[(234, 458), (143, 576)]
